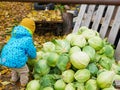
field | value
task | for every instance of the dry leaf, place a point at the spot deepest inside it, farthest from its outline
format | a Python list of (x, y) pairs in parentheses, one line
[(5, 83)]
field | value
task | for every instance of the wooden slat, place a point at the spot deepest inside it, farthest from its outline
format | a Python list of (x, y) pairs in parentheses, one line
[(79, 19), (115, 28), (88, 16), (106, 22), (98, 17), (117, 52)]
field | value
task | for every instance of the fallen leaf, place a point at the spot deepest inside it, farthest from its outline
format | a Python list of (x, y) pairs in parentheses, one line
[(5, 83)]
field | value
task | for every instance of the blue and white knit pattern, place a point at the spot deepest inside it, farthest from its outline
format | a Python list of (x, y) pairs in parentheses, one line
[(15, 53)]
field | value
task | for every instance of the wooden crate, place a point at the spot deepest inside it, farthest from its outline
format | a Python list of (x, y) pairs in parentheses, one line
[(103, 18)]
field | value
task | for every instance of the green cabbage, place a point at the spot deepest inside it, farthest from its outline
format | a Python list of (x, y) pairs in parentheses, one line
[(90, 51), (78, 40), (48, 47), (33, 85), (74, 49), (96, 42), (70, 86), (82, 29), (105, 79), (79, 86), (82, 75), (52, 59), (89, 33), (68, 76), (63, 61), (91, 84), (92, 67), (105, 62), (61, 46), (59, 85), (79, 59), (69, 37), (107, 50), (47, 81), (41, 67)]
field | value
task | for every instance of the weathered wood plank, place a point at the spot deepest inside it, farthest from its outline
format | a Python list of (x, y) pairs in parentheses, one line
[(117, 51), (115, 28), (97, 17), (88, 16), (106, 22), (79, 18)]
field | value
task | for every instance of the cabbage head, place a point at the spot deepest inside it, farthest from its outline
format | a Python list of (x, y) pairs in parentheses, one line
[(105, 62), (79, 41), (82, 29), (70, 86), (79, 60), (59, 85), (68, 76), (109, 88), (47, 81), (91, 84), (74, 49), (61, 46), (107, 50), (89, 33), (41, 67), (52, 59), (70, 36), (82, 75), (96, 42), (48, 47), (105, 79), (90, 51), (33, 85)]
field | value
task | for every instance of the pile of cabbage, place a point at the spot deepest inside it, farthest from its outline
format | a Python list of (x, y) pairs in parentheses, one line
[(80, 61)]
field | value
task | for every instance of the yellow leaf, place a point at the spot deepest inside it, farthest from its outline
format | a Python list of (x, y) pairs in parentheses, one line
[(5, 83)]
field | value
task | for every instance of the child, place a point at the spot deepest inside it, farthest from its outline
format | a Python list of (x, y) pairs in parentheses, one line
[(15, 53)]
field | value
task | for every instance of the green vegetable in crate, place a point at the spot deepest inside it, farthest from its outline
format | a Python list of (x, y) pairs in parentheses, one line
[(61, 46), (42, 67), (82, 75), (59, 85), (90, 51), (52, 59), (89, 33), (96, 42), (74, 49), (33, 85), (108, 51), (78, 40), (79, 60), (105, 62), (105, 79), (47, 81), (63, 62), (92, 67), (48, 47), (48, 88), (91, 84), (68, 76), (70, 86)]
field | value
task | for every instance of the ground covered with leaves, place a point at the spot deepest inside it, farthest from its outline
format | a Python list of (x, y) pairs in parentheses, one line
[(11, 13)]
